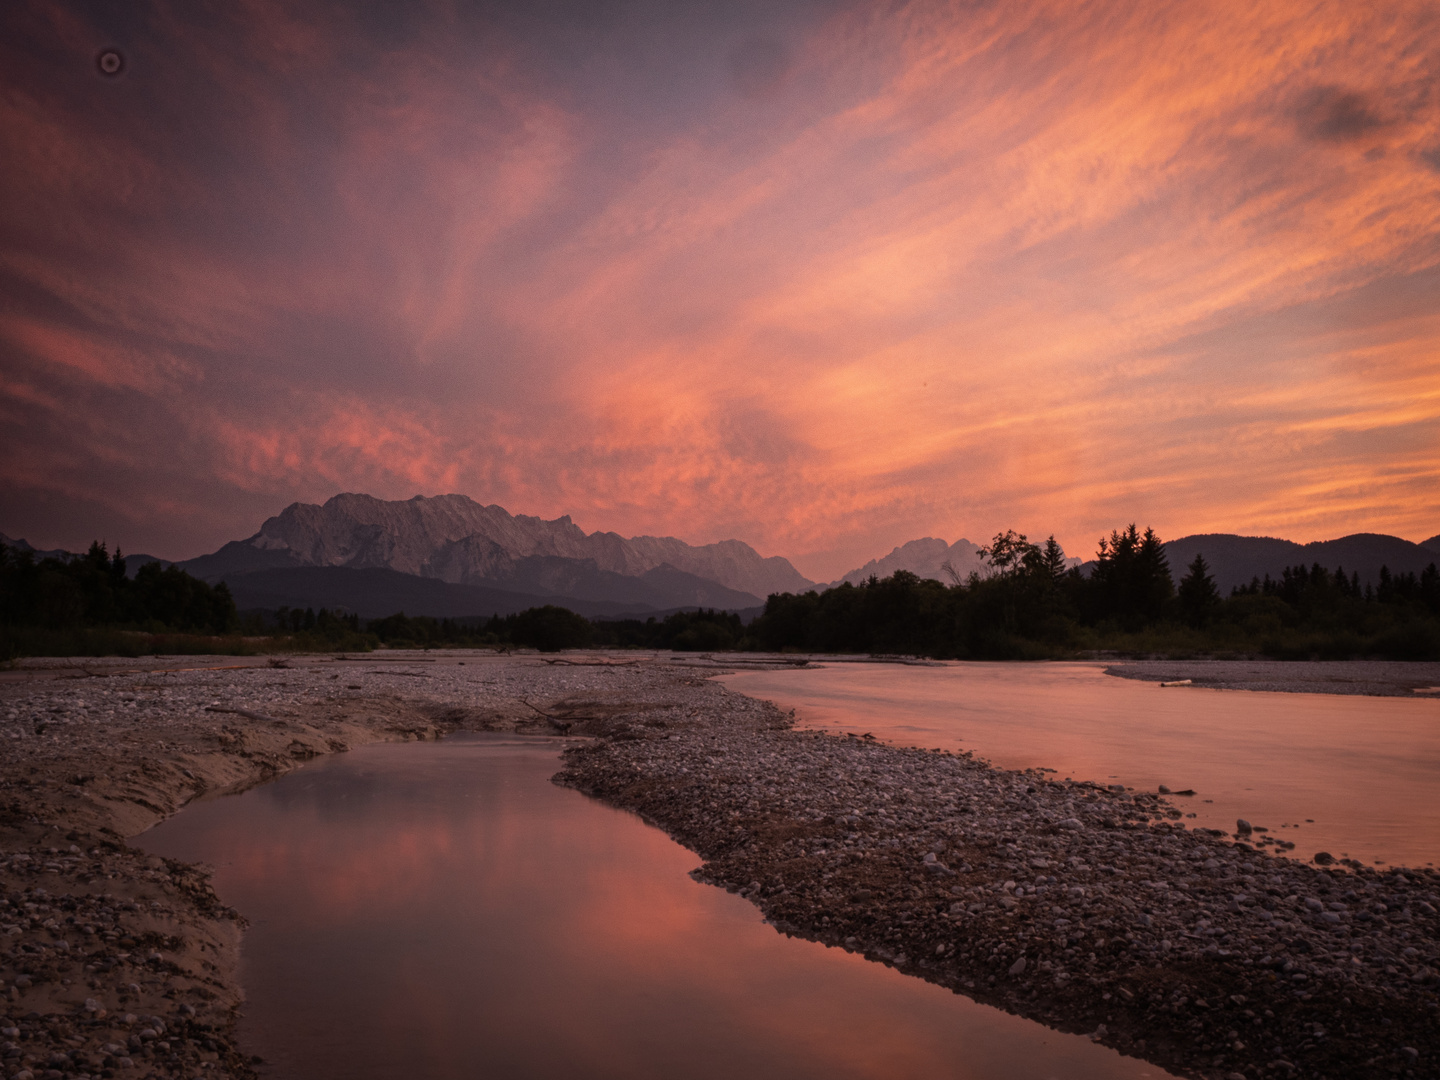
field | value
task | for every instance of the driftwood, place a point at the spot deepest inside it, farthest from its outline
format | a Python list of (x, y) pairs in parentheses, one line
[(243, 712), (588, 663), (554, 720)]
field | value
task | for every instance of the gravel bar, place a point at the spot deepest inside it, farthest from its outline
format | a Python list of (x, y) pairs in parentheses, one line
[(1378, 678), (1089, 909)]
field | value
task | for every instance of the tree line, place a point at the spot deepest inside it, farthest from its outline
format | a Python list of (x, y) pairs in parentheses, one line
[(89, 605), (1028, 603), (93, 590)]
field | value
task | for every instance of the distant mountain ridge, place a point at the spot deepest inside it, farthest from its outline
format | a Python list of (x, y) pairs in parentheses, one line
[(132, 562), (1233, 559), (1237, 560), (924, 557), (26, 546), (449, 555), (456, 541)]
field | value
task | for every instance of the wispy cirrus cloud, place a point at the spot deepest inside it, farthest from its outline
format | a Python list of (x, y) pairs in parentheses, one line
[(823, 278)]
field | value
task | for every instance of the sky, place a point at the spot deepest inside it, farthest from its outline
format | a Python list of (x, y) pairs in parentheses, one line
[(822, 277)]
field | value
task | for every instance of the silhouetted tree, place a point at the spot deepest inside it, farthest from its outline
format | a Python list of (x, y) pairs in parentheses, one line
[(1198, 596), (1051, 561), (1132, 578), (1009, 553), (550, 629)]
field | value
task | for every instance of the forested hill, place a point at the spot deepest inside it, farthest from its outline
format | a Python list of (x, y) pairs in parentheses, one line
[(1238, 560), (1028, 604)]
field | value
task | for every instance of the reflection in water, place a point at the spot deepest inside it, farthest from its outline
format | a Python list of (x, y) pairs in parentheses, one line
[(444, 911), (1356, 774)]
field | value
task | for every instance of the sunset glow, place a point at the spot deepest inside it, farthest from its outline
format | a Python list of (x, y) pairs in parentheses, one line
[(823, 278)]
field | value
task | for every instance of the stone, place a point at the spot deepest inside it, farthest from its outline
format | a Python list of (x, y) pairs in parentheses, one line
[(1018, 967)]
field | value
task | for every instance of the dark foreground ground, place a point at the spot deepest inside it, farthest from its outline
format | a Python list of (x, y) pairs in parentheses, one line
[(1090, 909)]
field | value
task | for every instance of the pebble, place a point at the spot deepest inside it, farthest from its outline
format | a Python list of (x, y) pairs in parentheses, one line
[(1090, 909)]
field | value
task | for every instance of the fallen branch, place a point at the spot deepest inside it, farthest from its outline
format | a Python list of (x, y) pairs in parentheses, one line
[(243, 712), (556, 721)]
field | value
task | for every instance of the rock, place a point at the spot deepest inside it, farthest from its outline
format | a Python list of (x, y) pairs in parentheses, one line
[(1018, 967), (1242, 827), (1164, 790), (1073, 824), (1323, 858)]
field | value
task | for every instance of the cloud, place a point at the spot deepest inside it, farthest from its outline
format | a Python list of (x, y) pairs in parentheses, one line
[(1337, 115), (826, 278), (758, 65)]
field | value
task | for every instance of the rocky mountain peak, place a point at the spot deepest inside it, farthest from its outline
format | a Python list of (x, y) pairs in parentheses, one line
[(456, 539), (925, 557)]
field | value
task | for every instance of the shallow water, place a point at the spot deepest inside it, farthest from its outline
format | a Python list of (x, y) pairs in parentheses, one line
[(1357, 775), (442, 910)]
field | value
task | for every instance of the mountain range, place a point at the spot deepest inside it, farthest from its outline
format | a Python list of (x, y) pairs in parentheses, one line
[(926, 557), (449, 556), (450, 550)]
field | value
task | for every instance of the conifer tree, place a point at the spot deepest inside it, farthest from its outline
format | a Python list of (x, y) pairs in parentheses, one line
[(1198, 595)]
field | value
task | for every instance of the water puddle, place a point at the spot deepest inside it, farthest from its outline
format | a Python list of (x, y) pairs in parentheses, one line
[(443, 910), (1354, 776)]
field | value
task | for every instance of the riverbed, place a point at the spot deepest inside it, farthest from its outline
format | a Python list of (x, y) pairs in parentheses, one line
[(1092, 910)]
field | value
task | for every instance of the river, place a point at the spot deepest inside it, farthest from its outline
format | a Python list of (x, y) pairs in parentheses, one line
[(442, 910), (1354, 776)]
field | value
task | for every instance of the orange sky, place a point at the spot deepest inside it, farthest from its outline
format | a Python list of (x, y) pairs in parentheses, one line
[(821, 277)]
